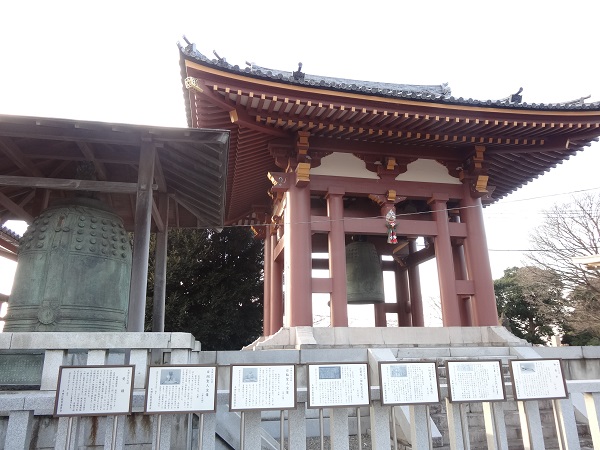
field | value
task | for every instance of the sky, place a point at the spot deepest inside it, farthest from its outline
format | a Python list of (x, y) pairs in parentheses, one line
[(117, 61)]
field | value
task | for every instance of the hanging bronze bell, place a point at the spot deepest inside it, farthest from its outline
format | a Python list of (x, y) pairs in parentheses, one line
[(364, 277), (73, 272)]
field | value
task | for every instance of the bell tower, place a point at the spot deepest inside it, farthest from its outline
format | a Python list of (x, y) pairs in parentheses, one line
[(401, 171), (357, 209)]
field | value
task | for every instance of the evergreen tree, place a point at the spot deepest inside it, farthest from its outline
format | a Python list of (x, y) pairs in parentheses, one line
[(531, 304), (214, 287)]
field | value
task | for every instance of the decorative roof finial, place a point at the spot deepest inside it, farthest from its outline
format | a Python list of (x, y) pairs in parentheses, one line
[(221, 60), (514, 98), (298, 75), (578, 101), (517, 98)]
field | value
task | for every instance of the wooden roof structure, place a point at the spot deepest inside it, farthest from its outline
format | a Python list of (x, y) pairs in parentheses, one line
[(40, 159), (265, 109)]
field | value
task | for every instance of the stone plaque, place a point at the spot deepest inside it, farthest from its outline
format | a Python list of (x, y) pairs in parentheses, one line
[(18, 370), (475, 381), (537, 379), (180, 389), (333, 385), (262, 387)]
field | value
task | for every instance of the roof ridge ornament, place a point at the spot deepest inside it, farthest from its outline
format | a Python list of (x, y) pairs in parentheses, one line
[(578, 101), (446, 91), (221, 60), (298, 75), (190, 45), (513, 98)]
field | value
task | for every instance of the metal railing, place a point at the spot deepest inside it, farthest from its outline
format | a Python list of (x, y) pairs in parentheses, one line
[(26, 416)]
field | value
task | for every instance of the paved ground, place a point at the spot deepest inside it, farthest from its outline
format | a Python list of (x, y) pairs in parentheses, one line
[(315, 443)]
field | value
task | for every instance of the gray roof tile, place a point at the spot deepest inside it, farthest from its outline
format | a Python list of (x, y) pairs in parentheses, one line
[(429, 93)]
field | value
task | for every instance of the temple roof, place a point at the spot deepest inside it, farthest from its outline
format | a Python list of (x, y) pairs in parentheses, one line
[(9, 243), (428, 93), (265, 110), (40, 159)]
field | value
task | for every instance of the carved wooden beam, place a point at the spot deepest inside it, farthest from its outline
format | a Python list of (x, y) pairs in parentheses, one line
[(474, 172), (416, 258)]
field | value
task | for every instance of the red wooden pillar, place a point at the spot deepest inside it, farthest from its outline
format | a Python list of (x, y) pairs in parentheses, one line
[(403, 297), (298, 258), (445, 264), (414, 282), (337, 258), (276, 284), (380, 318), (460, 267), (267, 276), (483, 304)]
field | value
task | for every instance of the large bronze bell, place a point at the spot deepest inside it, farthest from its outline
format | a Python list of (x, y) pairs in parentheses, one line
[(364, 277), (73, 272)]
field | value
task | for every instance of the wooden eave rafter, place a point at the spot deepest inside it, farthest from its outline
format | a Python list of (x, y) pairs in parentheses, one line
[(277, 106), (515, 136), (262, 114), (238, 82)]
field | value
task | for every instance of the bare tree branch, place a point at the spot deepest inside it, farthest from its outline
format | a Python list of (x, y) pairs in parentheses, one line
[(572, 230)]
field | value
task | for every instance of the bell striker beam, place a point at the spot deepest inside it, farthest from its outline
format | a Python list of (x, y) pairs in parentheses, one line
[(141, 237), (297, 257), (483, 305), (337, 258), (445, 264)]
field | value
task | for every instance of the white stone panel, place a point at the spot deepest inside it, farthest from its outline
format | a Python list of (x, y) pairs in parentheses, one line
[(343, 165), (427, 170), (347, 165)]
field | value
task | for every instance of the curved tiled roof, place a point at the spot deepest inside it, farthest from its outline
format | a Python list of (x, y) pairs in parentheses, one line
[(9, 233), (265, 109), (427, 93)]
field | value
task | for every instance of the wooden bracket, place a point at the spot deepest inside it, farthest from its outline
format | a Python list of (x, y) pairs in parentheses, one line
[(302, 144), (302, 174), (474, 172), (390, 197)]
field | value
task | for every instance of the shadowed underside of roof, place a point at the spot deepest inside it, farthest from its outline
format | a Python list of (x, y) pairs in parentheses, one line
[(265, 109), (40, 159)]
